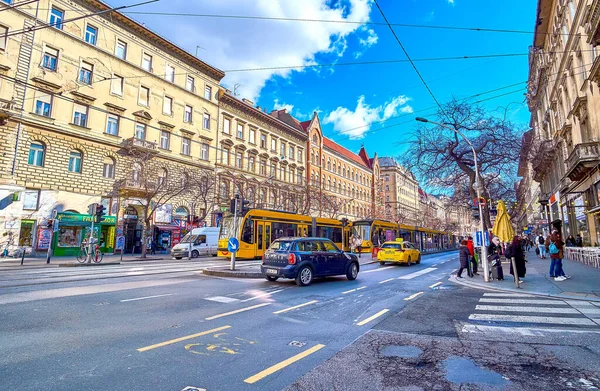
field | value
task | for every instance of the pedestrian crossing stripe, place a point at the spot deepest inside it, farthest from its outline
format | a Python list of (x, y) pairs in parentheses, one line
[(522, 301), (533, 319)]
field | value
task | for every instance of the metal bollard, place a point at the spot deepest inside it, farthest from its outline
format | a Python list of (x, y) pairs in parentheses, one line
[(516, 275), (22, 255)]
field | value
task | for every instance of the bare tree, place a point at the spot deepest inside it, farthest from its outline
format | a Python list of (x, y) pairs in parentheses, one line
[(201, 191), (442, 159)]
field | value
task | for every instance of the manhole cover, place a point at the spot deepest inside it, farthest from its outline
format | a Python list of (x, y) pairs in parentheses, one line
[(297, 344), (190, 388), (103, 303)]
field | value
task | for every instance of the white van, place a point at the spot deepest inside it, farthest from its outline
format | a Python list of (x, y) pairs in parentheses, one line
[(203, 240)]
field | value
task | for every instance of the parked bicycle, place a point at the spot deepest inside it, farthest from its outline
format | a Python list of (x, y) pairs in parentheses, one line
[(84, 251)]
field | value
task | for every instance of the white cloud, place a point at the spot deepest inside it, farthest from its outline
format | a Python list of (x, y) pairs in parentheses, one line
[(242, 43), (278, 106), (355, 123), (366, 41), (451, 2)]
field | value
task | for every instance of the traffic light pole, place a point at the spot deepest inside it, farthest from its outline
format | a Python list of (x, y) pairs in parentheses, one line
[(235, 209), (52, 229)]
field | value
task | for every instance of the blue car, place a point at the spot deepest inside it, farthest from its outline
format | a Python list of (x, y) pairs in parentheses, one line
[(303, 259)]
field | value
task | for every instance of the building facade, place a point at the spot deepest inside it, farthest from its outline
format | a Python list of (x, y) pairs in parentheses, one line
[(401, 191), (563, 98), (87, 107)]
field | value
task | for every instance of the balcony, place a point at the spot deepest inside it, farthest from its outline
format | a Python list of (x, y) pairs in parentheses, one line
[(139, 145), (136, 188), (543, 159), (585, 157), (592, 25)]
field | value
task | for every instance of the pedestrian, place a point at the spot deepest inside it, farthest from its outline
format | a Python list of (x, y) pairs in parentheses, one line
[(358, 244), (542, 246), (554, 246), (515, 250), (464, 256), (579, 241), (570, 241), (352, 244), (472, 261)]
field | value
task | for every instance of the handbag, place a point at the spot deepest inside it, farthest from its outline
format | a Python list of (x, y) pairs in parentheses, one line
[(537, 251)]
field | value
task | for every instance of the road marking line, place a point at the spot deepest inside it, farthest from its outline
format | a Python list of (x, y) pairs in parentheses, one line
[(507, 308), (277, 367), (296, 306), (378, 270), (413, 296), (522, 301), (147, 297), (574, 303), (526, 331), (388, 280), (263, 295), (372, 317), (417, 274), (436, 284), (237, 311), (172, 341), (354, 290), (222, 299), (507, 294), (532, 319)]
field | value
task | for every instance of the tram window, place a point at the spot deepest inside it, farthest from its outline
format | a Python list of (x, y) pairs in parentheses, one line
[(268, 235), (281, 230), (260, 237), (248, 231), (337, 235)]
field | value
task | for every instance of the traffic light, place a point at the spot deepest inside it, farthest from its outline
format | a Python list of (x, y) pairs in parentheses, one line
[(99, 212), (232, 206), (245, 206)]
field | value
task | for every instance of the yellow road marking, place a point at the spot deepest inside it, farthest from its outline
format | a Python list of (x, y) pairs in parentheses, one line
[(436, 284), (237, 311), (370, 318), (172, 341), (413, 296), (353, 290), (271, 370), (296, 306)]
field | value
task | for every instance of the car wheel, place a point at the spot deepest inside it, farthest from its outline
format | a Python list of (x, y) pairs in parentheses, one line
[(177, 257), (419, 260), (352, 271), (304, 276), (195, 254), (408, 262), (271, 278), (381, 263)]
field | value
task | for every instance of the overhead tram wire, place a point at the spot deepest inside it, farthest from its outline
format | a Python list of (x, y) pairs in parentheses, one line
[(17, 5)]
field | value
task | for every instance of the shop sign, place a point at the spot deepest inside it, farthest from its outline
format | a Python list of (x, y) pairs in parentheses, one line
[(553, 199), (44, 238), (163, 214), (579, 208), (80, 218)]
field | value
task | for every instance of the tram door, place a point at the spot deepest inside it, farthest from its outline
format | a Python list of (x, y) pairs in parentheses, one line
[(302, 231), (263, 237)]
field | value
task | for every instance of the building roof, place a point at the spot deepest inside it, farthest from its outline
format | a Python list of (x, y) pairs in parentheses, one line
[(542, 22), (344, 152), (305, 125), (284, 116), (386, 161)]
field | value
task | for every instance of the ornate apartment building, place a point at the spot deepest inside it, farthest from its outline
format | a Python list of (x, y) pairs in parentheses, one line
[(92, 105), (562, 150), (261, 156), (401, 191)]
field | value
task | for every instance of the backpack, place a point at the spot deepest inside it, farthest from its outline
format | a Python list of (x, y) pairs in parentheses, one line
[(553, 249), (541, 239)]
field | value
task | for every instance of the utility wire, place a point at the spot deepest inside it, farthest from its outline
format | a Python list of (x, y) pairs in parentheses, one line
[(17, 5)]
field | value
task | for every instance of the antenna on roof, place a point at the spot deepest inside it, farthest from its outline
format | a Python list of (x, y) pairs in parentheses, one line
[(235, 88)]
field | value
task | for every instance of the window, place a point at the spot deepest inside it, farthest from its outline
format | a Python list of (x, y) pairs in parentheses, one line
[(86, 72), (112, 125), (226, 126), (387, 198), (263, 167), (168, 105), (251, 163), (204, 151), (300, 155), (109, 168), (299, 177), (147, 62), (4, 39), (238, 160), (185, 145), (263, 141), (75, 161), (273, 144), (140, 131), (91, 34), (165, 139), (116, 85), (225, 157), (240, 131), (56, 18), (207, 92), (291, 154), (282, 150), (43, 104), (50, 59), (169, 73), (387, 188), (252, 138), (80, 114), (190, 84), (121, 50), (144, 96), (188, 114), (162, 176), (37, 151), (206, 122), (31, 199)]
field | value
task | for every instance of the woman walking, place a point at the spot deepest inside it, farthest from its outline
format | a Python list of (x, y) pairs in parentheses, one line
[(463, 251), (515, 250), (555, 246)]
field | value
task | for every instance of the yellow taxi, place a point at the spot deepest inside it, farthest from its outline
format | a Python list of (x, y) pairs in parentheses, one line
[(399, 252)]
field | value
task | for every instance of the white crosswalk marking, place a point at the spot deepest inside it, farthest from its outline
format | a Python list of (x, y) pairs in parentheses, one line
[(417, 274), (523, 301), (533, 319), (507, 295), (507, 308)]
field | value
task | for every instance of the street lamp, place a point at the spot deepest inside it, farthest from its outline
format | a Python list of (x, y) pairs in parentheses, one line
[(478, 186)]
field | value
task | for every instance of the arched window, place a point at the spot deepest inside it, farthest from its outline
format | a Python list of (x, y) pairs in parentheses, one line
[(329, 164), (262, 196), (340, 187), (344, 171), (136, 172), (185, 179), (37, 152), (314, 138), (162, 176), (75, 160), (181, 213), (312, 157), (329, 183), (344, 191), (317, 161), (108, 170), (224, 189)]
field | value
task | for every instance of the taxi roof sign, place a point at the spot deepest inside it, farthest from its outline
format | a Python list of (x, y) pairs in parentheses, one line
[(400, 240)]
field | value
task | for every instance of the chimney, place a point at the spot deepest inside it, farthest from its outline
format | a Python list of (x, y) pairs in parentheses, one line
[(258, 108), (248, 102)]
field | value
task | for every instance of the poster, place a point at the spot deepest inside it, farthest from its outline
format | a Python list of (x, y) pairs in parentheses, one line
[(163, 214), (120, 243), (389, 236), (44, 238), (110, 239)]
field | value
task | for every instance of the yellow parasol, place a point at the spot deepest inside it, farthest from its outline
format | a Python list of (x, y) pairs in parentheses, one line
[(502, 227)]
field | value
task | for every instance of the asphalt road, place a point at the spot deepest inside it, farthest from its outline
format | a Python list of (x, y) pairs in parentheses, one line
[(165, 326)]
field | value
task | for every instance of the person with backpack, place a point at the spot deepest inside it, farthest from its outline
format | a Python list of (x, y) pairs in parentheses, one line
[(554, 245), (542, 246)]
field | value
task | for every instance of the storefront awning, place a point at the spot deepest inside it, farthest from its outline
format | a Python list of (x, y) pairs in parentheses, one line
[(167, 228)]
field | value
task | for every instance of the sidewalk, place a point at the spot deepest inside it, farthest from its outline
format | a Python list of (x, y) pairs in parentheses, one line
[(584, 283), (40, 262)]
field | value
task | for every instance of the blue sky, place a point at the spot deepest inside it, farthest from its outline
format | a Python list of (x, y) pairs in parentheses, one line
[(352, 96)]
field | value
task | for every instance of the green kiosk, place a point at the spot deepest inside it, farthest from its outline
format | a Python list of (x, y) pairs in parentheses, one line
[(73, 228)]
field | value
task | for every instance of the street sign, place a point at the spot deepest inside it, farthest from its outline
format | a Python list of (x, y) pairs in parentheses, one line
[(479, 239), (233, 245)]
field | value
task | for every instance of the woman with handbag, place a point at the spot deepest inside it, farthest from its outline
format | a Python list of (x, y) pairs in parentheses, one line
[(554, 247)]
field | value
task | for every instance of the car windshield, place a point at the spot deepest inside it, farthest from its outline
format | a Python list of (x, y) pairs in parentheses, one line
[(396, 246), (230, 227), (189, 238), (281, 245)]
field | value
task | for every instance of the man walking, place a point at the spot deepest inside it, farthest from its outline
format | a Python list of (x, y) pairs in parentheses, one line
[(542, 247), (472, 269)]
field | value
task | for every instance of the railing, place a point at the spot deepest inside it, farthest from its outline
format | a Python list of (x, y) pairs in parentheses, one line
[(139, 143), (582, 153)]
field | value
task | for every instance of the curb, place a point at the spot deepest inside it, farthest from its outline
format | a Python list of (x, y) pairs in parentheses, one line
[(88, 264), (493, 288), (229, 273)]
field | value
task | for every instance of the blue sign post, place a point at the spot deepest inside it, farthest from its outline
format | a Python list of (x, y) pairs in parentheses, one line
[(479, 238), (233, 245)]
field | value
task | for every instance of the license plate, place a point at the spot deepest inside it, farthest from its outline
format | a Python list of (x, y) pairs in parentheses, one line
[(272, 271), (389, 252)]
